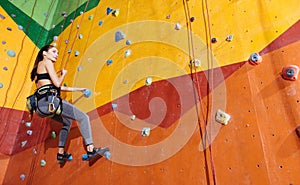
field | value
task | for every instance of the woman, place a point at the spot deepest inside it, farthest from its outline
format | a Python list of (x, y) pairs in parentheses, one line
[(49, 103)]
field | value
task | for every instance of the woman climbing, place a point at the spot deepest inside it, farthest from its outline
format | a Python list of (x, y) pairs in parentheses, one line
[(49, 103)]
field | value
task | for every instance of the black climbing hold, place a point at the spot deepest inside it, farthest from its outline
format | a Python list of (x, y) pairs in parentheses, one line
[(214, 40)]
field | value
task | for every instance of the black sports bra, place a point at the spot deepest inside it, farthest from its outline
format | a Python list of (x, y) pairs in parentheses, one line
[(43, 76)]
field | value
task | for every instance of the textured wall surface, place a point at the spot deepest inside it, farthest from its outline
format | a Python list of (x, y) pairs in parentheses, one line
[(167, 66)]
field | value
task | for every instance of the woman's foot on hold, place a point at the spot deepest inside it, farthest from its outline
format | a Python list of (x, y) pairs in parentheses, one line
[(61, 158), (96, 151)]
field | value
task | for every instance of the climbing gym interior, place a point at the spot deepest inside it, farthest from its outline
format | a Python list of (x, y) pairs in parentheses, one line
[(182, 92)]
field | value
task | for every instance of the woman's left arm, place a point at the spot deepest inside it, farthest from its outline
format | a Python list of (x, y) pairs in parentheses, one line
[(72, 89)]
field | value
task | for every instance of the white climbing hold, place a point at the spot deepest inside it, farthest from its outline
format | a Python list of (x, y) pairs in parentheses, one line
[(20, 27), (77, 53), (177, 26), (229, 38), (23, 143), (79, 68), (80, 36), (116, 12), (119, 36), (55, 38), (222, 117), (196, 62), (146, 131), (132, 117), (127, 53), (148, 81), (29, 132), (43, 163), (1, 85), (63, 13), (28, 124)]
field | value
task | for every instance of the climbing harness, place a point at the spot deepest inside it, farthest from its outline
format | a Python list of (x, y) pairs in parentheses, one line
[(46, 101)]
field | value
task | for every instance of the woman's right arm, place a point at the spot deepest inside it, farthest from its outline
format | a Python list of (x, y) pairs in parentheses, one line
[(56, 80)]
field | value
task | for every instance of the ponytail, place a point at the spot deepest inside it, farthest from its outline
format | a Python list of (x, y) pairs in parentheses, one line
[(39, 58)]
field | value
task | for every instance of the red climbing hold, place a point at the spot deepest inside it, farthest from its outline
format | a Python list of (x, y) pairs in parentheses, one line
[(290, 72)]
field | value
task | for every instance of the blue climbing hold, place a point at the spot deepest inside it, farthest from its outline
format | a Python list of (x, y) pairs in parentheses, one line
[(100, 23), (2, 16), (87, 93), (11, 53), (79, 68), (22, 176), (128, 42), (1, 85), (107, 154), (108, 10), (114, 106), (108, 62), (119, 36)]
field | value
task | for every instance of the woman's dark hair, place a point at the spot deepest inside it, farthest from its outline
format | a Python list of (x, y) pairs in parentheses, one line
[(39, 58)]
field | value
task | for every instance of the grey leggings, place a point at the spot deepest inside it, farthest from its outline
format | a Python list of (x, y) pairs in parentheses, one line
[(69, 113)]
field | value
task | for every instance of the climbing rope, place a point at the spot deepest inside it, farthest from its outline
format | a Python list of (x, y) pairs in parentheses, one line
[(14, 71), (76, 35), (210, 79), (42, 132), (196, 80)]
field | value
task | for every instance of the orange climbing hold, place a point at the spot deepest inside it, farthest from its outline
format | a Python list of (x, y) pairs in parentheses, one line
[(290, 72)]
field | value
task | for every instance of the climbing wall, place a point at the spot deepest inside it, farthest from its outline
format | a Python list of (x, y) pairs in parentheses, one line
[(182, 92)]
